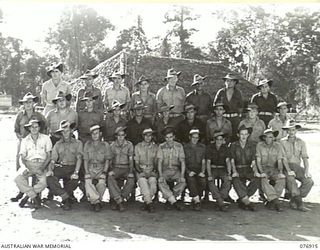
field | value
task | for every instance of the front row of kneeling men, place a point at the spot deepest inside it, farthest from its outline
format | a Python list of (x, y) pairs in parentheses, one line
[(269, 165)]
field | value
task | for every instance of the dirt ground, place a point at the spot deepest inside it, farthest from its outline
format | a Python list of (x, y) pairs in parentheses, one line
[(51, 223)]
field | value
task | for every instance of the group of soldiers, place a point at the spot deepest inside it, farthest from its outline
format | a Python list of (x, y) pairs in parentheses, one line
[(164, 143)]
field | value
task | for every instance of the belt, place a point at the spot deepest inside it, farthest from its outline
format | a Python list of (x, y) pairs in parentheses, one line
[(242, 166), (215, 166), (38, 160), (121, 165), (231, 115), (60, 165), (265, 113), (174, 115)]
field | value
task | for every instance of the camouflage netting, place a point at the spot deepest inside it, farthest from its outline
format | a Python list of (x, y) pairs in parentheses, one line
[(156, 68)]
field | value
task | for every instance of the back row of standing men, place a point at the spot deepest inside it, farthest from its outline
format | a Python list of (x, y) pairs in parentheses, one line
[(175, 109)]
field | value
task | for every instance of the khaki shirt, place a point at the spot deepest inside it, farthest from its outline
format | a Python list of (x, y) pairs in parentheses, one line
[(23, 119), (276, 124), (54, 117), (150, 102), (146, 155), (97, 104), (171, 156), (49, 90), (96, 155), (269, 154), (111, 94), (212, 127), (257, 126), (86, 120), (194, 154), (121, 153), (175, 97), (66, 153), (38, 149), (294, 151)]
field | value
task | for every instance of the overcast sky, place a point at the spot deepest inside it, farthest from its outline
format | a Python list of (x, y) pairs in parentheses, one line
[(30, 21)]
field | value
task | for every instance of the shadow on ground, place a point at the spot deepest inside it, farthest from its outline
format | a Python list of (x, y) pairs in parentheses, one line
[(208, 224)]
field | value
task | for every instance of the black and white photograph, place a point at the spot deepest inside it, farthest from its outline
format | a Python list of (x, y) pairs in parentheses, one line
[(159, 124)]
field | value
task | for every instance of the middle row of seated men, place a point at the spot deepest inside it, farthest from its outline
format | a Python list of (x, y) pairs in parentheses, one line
[(192, 164)]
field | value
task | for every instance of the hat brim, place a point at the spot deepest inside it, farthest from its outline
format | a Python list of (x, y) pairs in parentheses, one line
[(263, 136), (72, 126), (123, 129), (84, 77), (40, 123), (68, 97), (35, 99), (139, 107), (294, 126), (177, 74), (58, 66), (167, 130), (289, 106), (143, 80), (249, 130), (224, 135), (215, 106), (113, 108), (87, 98), (196, 82), (270, 82), (230, 78), (167, 109)]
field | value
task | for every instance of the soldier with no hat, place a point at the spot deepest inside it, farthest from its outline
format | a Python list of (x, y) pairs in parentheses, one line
[(171, 167), (121, 170), (244, 168)]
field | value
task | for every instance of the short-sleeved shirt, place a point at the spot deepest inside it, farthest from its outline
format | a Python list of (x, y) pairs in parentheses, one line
[(243, 156), (184, 127), (86, 120), (257, 126), (217, 156), (201, 100), (149, 102), (212, 127), (38, 149), (96, 155), (268, 104), (111, 94), (23, 119), (171, 156), (54, 117), (195, 154), (97, 104), (175, 97), (269, 154), (146, 155), (135, 129), (277, 124), (159, 125), (294, 151), (110, 126), (49, 90), (121, 153), (67, 152), (235, 104)]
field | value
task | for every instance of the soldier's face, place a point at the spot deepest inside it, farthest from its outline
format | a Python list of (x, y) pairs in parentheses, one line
[(34, 129), (66, 133), (283, 110), (243, 134), (139, 112), (62, 103), (253, 113), (230, 83), (117, 111), (169, 137), (265, 88), (219, 140), (56, 74), (199, 85), (269, 138), (28, 105), (166, 113), (117, 80), (190, 114), (219, 111), (195, 138), (292, 132), (144, 85), (95, 135), (172, 81), (89, 103), (147, 138), (121, 136)]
